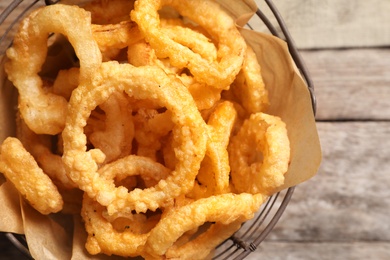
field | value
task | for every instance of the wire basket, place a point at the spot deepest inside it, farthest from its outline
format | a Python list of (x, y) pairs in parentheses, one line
[(253, 232)]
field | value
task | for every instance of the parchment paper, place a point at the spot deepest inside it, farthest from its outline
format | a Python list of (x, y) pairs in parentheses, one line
[(63, 237)]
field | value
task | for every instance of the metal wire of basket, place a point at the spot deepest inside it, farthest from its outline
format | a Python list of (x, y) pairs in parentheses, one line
[(253, 232)]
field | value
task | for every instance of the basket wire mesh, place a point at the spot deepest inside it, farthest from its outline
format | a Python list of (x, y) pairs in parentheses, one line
[(253, 232)]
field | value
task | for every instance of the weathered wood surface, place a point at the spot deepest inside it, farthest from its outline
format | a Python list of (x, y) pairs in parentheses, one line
[(349, 199), (351, 84), (322, 251), (343, 212), (334, 23)]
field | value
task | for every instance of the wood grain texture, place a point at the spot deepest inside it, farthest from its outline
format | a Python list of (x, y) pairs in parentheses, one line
[(351, 84), (322, 251), (349, 199), (333, 23), (341, 213)]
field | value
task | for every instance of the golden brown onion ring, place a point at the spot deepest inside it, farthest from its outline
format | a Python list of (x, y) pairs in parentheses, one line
[(132, 165), (249, 86), (109, 11), (45, 112), (259, 154), (104, 238), (22, 170), (117, 36), (115, 140), (40, 147), (214, 174), (208, 14), (224, 209), (189, 139)]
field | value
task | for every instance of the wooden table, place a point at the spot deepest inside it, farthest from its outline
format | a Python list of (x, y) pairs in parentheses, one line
[(343, 212)]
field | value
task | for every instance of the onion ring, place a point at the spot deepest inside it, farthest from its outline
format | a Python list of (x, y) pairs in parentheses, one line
[(189, 137), (104, 238), (117, 36), (231, 45), (259, 154), (66, 81), (214, 173), (203, 245), (109, 12), (21, 169), (224, 209), (194, 40), (152, 128), (44, 112), (141, 54), (150, 171), (39, 146), (115, 140), (249, 85)]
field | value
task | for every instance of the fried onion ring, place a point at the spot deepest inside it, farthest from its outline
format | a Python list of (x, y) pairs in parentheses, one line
[(224, 209), (208, 14), (39, 146), (22, 170), (117, 36), (194, 40), (104, 238), (214, 174), (150, 171), (249, 85), (259, 154), (189, 137), (203, 245), (45, 113), (128, 239), (109, 12), (115, 140)]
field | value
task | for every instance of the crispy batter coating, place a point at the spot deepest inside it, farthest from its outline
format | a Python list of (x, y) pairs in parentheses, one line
[(22, 170), (45, 112), (189, 139), (259, 154), (223, 209), (219, 73)]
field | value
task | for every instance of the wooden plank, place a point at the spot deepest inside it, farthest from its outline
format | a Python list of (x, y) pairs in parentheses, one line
[(349, 199), (323, 251), (341, 213), (333, 23), (351, 84)]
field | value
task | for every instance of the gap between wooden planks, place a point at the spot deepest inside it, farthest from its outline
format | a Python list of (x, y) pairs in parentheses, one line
[(351, 84), (342, 213)]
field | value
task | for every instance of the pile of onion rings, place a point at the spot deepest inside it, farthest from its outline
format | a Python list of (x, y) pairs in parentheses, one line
[(159, 118)]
